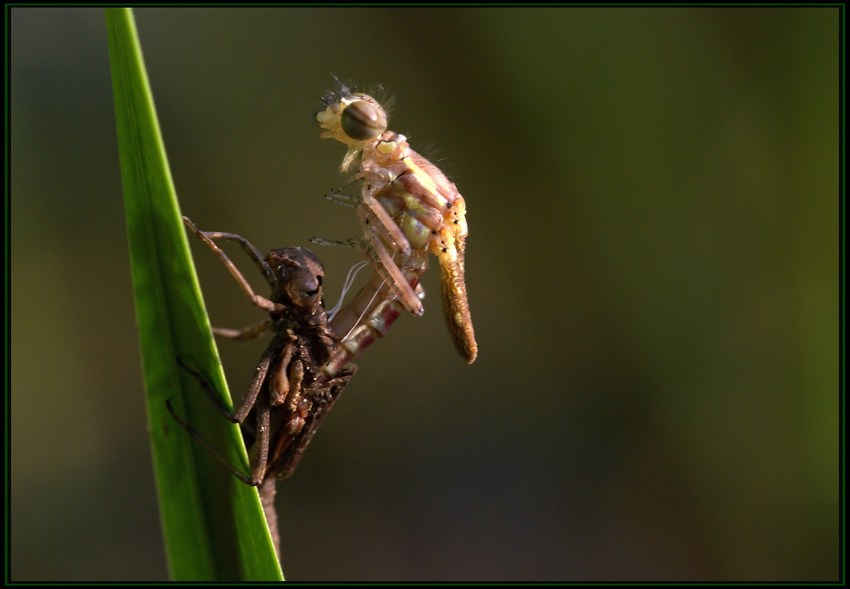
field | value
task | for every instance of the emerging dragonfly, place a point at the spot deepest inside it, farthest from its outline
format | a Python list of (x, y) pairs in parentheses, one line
[(407, 208), (364, 319), (305, 367)]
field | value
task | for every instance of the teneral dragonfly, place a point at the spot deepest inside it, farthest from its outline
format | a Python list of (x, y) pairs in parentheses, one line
[(407, 208)]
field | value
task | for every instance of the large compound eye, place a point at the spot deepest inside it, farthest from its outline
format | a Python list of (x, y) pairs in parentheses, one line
[(362, 121)]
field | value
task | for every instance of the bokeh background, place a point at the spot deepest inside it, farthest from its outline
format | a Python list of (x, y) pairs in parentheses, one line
[(653, 273)]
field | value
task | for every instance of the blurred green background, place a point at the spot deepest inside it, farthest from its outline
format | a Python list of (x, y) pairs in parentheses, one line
[(653, 273)]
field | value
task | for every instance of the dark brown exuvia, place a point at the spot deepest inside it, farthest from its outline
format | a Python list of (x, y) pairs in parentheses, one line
[(292, 390)]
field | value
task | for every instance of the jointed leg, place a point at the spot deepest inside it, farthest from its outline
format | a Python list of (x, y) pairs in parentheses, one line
[(245, 334), (256, 299), (206, 445)]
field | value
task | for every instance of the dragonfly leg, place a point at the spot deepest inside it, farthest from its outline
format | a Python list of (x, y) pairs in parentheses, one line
[(256, 299), (205, 386), (378, 220), (260, 449), (256, 385), (393, 276), (356, 243), (209, 448), (247, 333), (380, 229), (346, 200)]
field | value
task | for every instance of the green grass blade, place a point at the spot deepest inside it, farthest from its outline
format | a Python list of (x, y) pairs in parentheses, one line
[(213, 524)]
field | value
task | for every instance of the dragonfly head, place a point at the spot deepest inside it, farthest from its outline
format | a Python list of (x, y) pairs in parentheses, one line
[(298, 283), (353, 119)]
